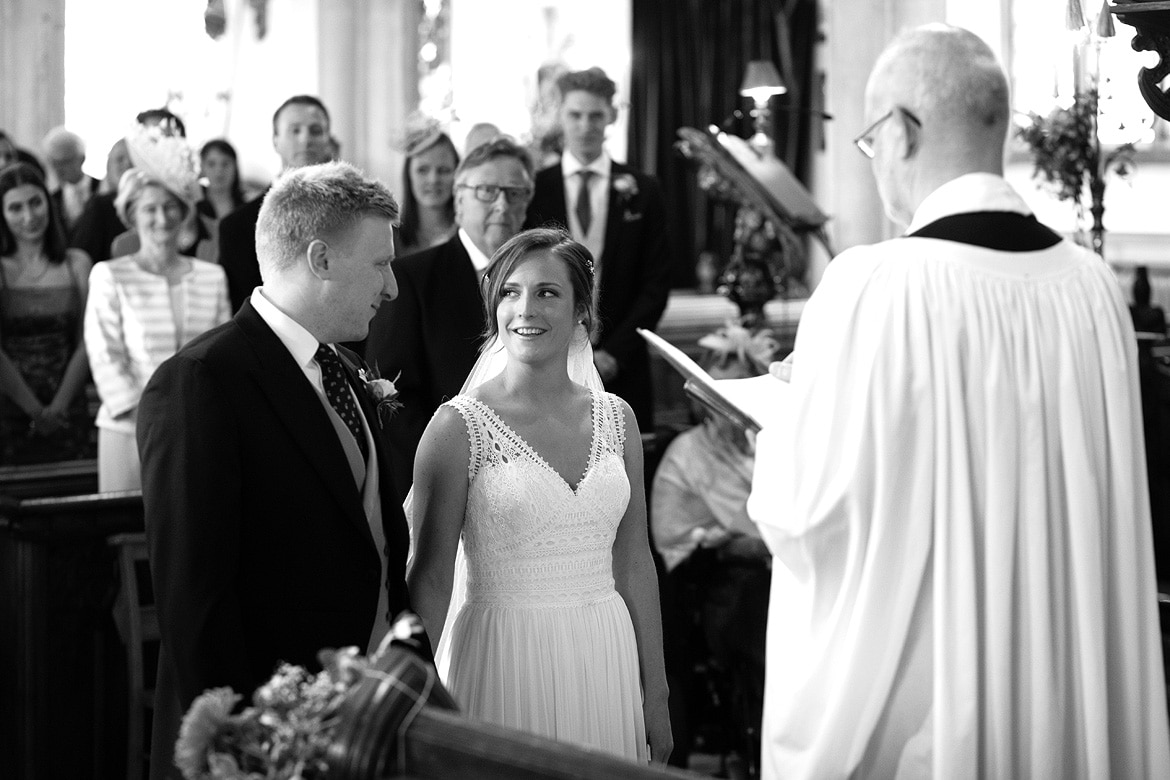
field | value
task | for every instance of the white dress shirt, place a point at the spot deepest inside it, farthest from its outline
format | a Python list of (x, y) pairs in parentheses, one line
[(478, 259), (594, 240)]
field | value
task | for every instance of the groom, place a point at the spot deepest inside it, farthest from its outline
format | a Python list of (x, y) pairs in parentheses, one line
[(272, 522)]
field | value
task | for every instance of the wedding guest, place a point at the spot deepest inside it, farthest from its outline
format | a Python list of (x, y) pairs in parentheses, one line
[(428, 196), (430, 335), (117, 163), (701, 486), (300, 135), (220, 166), (194, 238), (715, 589), (146, 305), (42, 355), (223, 192), (273, 526), (963, 583), (65, 152), (619, 215), (556, 628), (99, 224)]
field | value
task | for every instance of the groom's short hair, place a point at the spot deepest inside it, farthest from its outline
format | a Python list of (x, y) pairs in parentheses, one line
[(315, 202)]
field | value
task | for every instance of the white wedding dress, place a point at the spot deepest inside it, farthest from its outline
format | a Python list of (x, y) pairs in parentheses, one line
[(543, 642)]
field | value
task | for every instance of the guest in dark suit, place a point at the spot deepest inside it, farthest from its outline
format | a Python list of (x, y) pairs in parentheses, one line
[(430, 335), (619, 215), (65, 152), (300, 135), (273, 525)]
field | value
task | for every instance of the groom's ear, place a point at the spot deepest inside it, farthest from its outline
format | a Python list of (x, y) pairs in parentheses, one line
[(317, 256)]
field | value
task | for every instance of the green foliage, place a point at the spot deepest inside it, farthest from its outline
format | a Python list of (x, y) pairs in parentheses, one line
[(1068, 158)]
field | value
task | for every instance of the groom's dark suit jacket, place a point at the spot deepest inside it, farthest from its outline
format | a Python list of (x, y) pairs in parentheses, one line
[(429, 337), (260, 549), (635, 274)]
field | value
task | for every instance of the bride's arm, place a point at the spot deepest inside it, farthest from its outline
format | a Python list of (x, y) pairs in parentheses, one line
[(637, 582), (440, 499)]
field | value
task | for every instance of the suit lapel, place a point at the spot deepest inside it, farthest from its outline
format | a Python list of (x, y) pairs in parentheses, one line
[(614, 215), (298, 406)]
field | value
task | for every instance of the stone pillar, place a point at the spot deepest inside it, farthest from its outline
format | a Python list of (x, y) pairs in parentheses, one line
[(855, 32), (368, 57), (32, 69)]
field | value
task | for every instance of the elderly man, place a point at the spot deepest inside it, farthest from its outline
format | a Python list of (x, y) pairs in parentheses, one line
[(273, 525), (963, 583), (430, 336), (65, 152), (300, 136), (618, 213)]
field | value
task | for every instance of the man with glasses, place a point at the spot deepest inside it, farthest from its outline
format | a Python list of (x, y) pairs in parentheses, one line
[(429, 336), (618, 214), (956, 502)]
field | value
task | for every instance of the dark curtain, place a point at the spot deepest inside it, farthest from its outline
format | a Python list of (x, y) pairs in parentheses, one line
[(688, 62)]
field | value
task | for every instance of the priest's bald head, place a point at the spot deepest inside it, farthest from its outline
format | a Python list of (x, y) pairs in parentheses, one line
[(937, 107)]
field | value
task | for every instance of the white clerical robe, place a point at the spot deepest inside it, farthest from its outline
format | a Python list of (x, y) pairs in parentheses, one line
[(963, 581)]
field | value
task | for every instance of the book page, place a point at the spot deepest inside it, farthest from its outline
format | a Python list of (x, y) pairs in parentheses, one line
[(750, 403)]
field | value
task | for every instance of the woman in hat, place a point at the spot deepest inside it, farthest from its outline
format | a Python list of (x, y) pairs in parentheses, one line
[(146, 305)]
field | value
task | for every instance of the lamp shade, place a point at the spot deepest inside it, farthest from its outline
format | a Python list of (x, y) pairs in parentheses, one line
[(761, 81)]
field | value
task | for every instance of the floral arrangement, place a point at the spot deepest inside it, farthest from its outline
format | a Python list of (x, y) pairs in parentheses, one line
[(1068, 158), (285, 734), (754, 349), (382, 392)]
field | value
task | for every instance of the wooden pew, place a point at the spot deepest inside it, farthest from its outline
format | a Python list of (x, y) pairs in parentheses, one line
[(61, 668)]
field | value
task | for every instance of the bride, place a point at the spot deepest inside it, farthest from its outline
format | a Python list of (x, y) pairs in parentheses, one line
[(557, 629)]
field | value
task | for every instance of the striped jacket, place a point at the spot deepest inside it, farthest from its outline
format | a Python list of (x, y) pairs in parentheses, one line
[(130, 328)]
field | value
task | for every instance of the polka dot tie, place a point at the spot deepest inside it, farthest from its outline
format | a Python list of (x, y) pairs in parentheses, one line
[(337, 391)]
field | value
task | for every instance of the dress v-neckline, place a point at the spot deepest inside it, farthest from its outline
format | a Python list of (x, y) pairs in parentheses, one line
[(593, 440)]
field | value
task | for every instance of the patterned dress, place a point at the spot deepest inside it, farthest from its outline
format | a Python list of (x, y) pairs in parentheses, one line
[(544, 643), (40, 328)]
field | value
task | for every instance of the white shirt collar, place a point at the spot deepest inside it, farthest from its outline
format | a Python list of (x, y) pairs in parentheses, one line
[(300, 343), (478, 258), (967, 193), (570, 165)]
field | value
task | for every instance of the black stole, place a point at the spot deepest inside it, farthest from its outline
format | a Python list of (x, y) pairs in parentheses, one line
[(1003, 231)]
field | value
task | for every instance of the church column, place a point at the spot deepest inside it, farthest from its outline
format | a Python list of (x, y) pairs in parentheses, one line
[(856, 31), (32, 69), (368, 60)]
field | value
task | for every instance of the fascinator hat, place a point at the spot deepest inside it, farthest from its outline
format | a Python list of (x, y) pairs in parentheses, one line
[(422, 132), (162, 159)]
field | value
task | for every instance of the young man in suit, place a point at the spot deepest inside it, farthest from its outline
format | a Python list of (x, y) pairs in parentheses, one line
[(273, 525), (65, 152), (429, 337), (619, 215), (300, 135)]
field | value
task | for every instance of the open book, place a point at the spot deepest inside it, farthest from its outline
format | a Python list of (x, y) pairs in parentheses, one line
[(750, 404)]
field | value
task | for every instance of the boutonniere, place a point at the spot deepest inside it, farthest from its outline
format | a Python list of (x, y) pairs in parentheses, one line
[(382, 392), (625, 185)]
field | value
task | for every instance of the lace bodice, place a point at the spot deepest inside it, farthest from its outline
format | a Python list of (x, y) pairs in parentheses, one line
[(529, 537)]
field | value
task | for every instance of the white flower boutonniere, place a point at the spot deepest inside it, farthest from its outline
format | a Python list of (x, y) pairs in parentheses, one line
[(382, 392), (625, 185)]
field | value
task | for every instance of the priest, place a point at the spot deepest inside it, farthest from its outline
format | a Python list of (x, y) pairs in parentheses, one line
[(963, 580)]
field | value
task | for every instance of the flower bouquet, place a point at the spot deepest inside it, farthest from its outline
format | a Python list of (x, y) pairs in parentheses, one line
[(285, 734)]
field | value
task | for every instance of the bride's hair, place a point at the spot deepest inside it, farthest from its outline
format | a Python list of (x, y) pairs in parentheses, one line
[(560, 245)]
